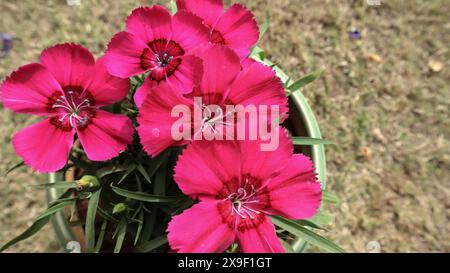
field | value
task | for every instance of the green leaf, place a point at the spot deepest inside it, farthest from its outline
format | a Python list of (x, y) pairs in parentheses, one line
[(311, 224), (57, 185), (306, 234), (127, 173), (101, 236), (263, 28), (55, 208), (330, 198), (145, 197), (90, 220), (286, 246), (144, 173), (304, 81), (173, 7), (152, 244), (38, 224), (121, 231), (322, 218), (298, 140), (140, 225), (18, 165)]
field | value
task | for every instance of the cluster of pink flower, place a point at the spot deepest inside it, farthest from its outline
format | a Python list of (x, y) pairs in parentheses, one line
[(200, 50)]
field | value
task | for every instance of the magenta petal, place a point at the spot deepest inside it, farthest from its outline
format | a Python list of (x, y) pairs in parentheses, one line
[(188, 74), (28, 90), (200, 229), (150, 23), (205, 165), (259, 237), (123, 56), (220, 67), (238, 27), (209, 10), (264, 164), (295, 193), (258, 85), (155, 121), (71, 64), (105, 88), (188, 30), (143, 91), (106, 136), (43, 146)]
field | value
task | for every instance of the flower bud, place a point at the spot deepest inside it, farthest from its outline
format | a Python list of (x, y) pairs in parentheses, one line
[(87, 182), (119, 207)]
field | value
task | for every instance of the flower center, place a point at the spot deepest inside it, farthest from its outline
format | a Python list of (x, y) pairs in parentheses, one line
[(217, 38), (214, 117), (161, 58), (72, 108), (244, 201)]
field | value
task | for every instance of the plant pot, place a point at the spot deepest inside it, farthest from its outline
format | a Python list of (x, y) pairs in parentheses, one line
[(301, 122)]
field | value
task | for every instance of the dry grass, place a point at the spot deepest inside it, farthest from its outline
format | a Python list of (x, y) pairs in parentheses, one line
[(378, 100)]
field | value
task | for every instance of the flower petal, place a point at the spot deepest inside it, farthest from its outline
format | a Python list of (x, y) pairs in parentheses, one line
[(209, 10), (143, 91), (106, 136), (155, 120), (238, 27), (258, 236), (188, 74), (123, 56), (71, 64), (264, 164), (200, 229), (150, 23), (43, 146), (258, 85), (220, 67), (106, 88), (204, 166), (298, 181), (28, 89), (188, 30)]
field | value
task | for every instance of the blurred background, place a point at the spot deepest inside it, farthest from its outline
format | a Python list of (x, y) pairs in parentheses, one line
[(383, 99)]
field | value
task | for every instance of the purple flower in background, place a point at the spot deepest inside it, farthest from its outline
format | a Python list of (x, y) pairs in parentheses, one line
[(6, 44), (355, 34)]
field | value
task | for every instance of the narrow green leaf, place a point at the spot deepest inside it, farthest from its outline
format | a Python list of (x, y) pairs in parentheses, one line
[(120, 233), (330, 198), (306, 234), (55, 208), (106, 215), (298, 140), (263, 28), (101, 236), (33, 229), (18, 165), (173, 7), (304, 81), (140, 225), (322, 218), (57, 185), (145, 197), (38, 224), (152, 244), (109, 170), (149, 223), (286, 246), (308, 223), (144, 173), (90, 220), (127, 173)]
